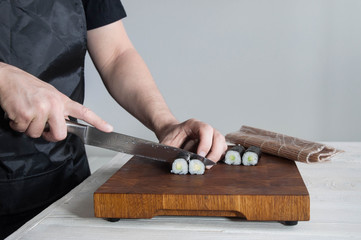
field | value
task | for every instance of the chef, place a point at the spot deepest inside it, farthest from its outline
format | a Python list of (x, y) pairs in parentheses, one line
[(42, 49)]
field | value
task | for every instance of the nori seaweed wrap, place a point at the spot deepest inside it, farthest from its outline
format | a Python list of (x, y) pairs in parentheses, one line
[(180, 164), (251, 156), (234, 155)]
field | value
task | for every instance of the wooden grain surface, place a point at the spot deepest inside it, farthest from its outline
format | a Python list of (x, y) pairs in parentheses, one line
[(272, 190), (335, 195)]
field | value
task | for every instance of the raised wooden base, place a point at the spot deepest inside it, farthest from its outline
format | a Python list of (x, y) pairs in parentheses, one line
[(271, 191)]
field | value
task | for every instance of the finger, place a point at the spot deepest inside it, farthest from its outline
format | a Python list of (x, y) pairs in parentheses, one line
[(21, 122), (57, 128), (205, 133), (218, 148), (36, 127), (77, 110), (19, 126)]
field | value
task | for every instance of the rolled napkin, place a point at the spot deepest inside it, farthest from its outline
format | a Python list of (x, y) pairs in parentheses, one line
[(282, 145)]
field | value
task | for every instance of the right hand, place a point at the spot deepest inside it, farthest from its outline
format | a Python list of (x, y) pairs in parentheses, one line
[(31, 103), (210, 143)]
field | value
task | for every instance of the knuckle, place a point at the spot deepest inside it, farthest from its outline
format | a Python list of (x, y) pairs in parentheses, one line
[(32, 134), (35, 129), (18, 127), (84, 111), (225, 147), (52, 103), (24, 117), (221, 138), (191, 121), (207, 128), (58, 136), (42, 107), (219, 135)]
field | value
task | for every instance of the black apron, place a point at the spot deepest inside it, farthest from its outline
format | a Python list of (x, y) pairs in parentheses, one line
[(46, 38)]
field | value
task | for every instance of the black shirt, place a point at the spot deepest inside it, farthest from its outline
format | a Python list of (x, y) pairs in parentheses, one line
[(102, 12)]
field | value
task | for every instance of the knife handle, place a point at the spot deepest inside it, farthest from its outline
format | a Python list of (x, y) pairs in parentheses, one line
[(72, 127), (77, 129)]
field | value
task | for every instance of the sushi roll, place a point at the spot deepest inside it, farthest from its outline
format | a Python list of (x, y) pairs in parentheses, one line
[(234, 155), (180, 164), (251, 156), (196, 167)]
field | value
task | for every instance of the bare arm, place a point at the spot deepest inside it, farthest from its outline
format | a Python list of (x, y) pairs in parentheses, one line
[(130, 83), (127, 77)]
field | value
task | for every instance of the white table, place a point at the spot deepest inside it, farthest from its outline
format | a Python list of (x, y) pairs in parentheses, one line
[(335, 193)]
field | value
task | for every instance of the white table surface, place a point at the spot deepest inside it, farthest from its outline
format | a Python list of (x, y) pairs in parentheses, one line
[(335, 193)]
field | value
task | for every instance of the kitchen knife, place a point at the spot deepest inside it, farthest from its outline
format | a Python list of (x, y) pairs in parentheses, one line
[(130, 145), (127, 144)]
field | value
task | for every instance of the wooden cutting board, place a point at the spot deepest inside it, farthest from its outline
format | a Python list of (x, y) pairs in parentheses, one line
[(271, 191)]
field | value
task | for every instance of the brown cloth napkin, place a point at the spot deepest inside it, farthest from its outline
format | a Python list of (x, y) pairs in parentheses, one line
[(282, 145)]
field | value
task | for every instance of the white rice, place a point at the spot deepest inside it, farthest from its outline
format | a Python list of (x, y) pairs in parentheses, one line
[(232, 158), (179, 166), (249, 159), (196, 167)]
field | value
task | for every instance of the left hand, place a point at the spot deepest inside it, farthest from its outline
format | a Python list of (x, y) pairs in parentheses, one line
[(211, 143)]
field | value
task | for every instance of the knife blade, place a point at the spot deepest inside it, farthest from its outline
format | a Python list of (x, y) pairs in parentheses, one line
[(130, 145)]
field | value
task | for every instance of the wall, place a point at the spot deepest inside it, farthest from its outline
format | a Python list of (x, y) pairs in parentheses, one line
[(288, 66)]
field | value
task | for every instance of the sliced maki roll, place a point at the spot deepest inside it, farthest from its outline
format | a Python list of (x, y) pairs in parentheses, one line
[(196, 167), (251, 156), (180, 165), (234, 155)]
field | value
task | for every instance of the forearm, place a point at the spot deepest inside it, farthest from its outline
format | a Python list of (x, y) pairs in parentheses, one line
[(2, 78), (130, 83), (3, 68)]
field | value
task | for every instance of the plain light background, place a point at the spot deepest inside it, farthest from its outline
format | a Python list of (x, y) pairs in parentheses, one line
[(293, 67)]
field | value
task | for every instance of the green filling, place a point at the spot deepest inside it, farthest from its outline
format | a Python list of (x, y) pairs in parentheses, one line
[(178, 166), (250, 158), (197, 167), (232, 157)]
